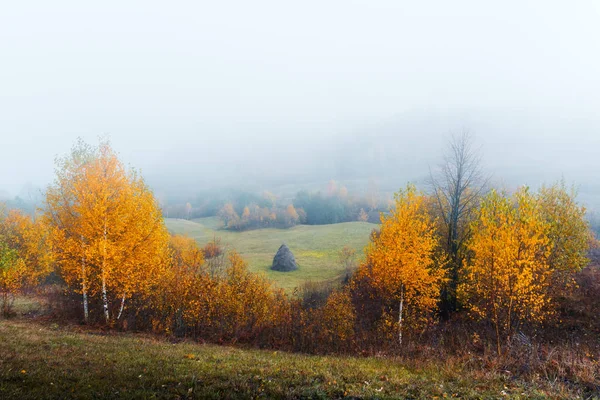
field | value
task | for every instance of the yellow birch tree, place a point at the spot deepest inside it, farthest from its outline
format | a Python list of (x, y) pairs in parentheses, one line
[(508, 272), (108, 234), (403, 263), (24, 259)]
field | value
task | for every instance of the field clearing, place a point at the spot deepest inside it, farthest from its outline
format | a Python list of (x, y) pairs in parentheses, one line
[(315, 247), (43, 361)]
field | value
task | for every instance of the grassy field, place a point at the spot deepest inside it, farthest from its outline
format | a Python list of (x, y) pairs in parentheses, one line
[(46, 361), (315, 247)]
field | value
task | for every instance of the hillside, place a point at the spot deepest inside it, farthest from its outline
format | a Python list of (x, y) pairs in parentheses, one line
[(50, 362), (315, 247)]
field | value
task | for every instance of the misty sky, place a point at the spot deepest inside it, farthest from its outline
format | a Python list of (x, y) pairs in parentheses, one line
[(222, 90)]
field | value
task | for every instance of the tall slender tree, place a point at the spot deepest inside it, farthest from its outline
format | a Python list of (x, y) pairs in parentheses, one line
[(457, 186)]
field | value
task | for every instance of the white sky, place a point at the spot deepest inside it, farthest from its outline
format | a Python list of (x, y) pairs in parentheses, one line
[(188, 88)]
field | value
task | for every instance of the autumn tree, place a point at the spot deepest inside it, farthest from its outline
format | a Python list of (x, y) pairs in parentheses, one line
[(403, 263), (301, 215), (363, 216), (108, 234), (29, 237), (12, 273), (253, 216), (246, 214), (11, 268), (235, 304), (229, 216), (456, 186), (270, 198), (508, 270), (336, 320), (186, 253), (569, 231), (177, 292), (25, 257), (292, 215)]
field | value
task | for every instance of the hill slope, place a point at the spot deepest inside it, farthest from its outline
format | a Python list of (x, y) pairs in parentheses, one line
[(45, 362)]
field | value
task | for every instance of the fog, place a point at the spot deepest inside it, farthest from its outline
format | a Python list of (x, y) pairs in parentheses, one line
[(268, 93)]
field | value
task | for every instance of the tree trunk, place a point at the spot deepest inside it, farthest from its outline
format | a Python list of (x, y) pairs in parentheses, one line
[(104, 296), (497, 325), (105, 299), (122, 306), (456, 187), (5, 304), (86, 313), (400, 316)]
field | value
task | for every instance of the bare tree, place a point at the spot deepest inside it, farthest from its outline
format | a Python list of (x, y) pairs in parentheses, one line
[(456, 187)]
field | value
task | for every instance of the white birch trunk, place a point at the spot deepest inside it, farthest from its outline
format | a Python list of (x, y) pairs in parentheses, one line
[(400, 316), (104, 296), (86, 313), (105, 299), (122, 307)]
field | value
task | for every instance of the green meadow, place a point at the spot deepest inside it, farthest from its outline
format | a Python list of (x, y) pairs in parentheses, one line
[(316, 247)]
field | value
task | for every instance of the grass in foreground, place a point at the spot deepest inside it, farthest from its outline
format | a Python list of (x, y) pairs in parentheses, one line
[(315, 247), (46, 362)]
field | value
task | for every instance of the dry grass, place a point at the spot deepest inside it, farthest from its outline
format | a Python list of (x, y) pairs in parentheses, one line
[(45, 361)]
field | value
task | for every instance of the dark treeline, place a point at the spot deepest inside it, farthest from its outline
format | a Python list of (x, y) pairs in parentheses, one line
[(240, 210), (337, 205)]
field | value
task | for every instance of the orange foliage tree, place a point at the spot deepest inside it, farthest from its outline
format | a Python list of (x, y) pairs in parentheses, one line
[(292, 216), (186, 253), (230, 218), (362, 215), (337, 319), (171, 302), (108, 234), (522, 252), (24, 259), (508, 271), (402, 261), (232, 306)]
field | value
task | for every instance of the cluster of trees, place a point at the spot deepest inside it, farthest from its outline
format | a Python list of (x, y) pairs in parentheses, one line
[(501, 258), (517, 258), (253, 217), (209, 203), (105, 229), (336, 205), (521, 255), (312, 208), (102, 233), (240, 210)]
